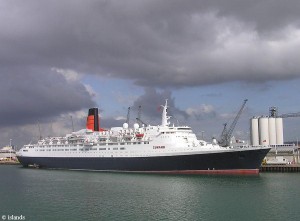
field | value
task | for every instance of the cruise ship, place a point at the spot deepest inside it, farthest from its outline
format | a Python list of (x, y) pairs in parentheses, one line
[(163, 148)]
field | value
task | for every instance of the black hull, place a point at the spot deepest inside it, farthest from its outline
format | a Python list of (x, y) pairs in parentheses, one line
[(245, 161)]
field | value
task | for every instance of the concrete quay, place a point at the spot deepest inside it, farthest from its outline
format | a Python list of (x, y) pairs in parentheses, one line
[(289, 168), (9, 162)]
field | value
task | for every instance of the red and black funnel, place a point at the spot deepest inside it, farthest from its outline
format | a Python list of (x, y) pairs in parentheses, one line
[(93, 121)]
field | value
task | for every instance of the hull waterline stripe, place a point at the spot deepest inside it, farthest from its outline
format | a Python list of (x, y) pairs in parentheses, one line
[(229, 172)]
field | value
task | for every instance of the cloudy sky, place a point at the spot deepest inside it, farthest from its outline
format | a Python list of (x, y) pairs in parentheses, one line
[(58, 58)]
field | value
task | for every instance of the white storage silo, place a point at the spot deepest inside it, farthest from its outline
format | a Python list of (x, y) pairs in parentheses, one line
[(279, 131), (254, 131), (272, 131), (263, 126)]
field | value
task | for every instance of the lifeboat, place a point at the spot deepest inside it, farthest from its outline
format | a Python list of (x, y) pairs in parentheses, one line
[(139, 135)]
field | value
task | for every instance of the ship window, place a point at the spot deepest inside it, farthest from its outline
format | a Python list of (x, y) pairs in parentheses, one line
[(66, 149), (115, 148), (122, 148), (102, 148)]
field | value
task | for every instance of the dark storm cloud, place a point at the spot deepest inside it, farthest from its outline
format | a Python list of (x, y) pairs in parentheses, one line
[(28, 96), (265, 16), (156, 43)]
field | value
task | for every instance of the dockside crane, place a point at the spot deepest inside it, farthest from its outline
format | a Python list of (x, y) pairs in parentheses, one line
[(290, 115), (140, 122), (227, 134), (224, 133), (274, 113)]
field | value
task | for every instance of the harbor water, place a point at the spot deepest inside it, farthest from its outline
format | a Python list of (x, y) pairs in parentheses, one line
[(38, 194)]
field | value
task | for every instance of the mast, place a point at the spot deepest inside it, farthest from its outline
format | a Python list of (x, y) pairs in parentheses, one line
[(72, 124), (164, 117), (139, 115), (40, 134)]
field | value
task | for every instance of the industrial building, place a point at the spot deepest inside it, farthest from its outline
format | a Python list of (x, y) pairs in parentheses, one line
[(268, 130)]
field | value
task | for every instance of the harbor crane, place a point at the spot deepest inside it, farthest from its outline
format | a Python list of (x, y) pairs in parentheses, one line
[(227, 134), (140, 122), (138, 119)]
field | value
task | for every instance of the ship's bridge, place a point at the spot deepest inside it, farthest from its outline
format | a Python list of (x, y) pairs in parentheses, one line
[(183, 131), (176, 129)]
